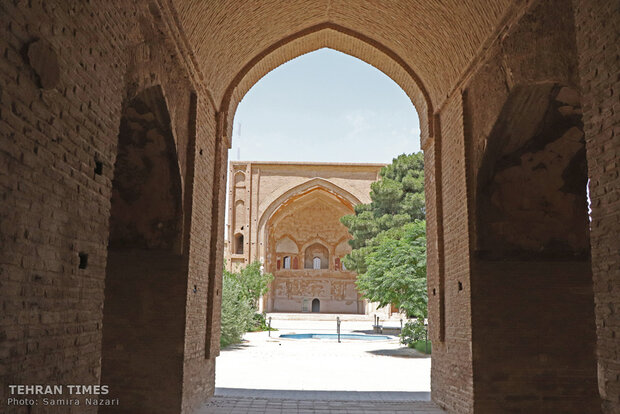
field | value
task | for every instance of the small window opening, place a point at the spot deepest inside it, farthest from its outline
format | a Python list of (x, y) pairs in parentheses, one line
[(239, 244), (83, 260), (98, 167), (316, 263), (287, 262)]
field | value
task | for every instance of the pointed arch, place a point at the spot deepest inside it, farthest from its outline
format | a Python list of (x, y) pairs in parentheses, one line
[(343, 195), (339, 38)]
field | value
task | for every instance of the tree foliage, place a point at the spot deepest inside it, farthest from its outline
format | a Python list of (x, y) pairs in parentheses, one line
[(255, 283), (389, 238), (240, 294), (412, 332), (237, 311), (396, 269)]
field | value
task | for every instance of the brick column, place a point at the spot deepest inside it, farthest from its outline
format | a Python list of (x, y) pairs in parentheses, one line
[(597, 26)]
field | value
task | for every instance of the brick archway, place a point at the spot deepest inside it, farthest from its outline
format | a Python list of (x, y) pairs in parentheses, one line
[(144, 307), (68, 65), (342, 39), (531, 278)]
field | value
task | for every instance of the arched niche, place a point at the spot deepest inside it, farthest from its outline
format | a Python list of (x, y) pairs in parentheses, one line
[(146, 273), (532, 260), (146, 207), (531, 192), (342, 249), (313, 252), (238, 243), (239, 178), (287, 245), (240, 214)]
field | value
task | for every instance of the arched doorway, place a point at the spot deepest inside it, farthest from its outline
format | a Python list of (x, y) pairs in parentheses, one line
[(316, 305), (533, 254), (144, 306), (451, 295)]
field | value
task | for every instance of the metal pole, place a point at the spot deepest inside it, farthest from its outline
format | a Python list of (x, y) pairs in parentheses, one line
[(426, 341), (269, 327), (338, 327)]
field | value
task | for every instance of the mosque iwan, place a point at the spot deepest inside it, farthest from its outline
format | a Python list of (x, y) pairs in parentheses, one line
[(287, 216)]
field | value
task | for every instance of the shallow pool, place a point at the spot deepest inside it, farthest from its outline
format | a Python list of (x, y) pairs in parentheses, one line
[(335, 336)]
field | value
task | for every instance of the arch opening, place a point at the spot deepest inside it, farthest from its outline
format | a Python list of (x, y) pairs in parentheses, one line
[(145, 271), (296, 210), (533, 251), (316, 256), (341, 39), (239, 243)]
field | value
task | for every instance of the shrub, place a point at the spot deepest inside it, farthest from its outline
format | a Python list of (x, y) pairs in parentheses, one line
[(259, 323), (237, 310), (255, 283), (423, 346), (412, 332), (240, 294)]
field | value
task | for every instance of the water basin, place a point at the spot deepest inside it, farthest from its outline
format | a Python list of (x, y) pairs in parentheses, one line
[(359, 337)]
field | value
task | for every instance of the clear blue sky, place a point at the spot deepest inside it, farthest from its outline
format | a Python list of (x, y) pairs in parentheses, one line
[(325, 106)]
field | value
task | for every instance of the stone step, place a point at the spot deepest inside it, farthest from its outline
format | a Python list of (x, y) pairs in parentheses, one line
[(260, 405)]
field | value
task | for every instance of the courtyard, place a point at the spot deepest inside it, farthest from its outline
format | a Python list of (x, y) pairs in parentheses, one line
[(272, 374)]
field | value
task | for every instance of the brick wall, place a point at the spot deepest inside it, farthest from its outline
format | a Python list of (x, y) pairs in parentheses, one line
[(54, 206), (534, 339), (451, 376), (597, 27), (55, 132), (478, 369), (68, 67)]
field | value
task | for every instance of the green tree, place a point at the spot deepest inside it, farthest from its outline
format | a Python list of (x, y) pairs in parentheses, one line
[(396, 199), (254, 281), (237, 311), (396, 269), (240, 294), (389, 241)]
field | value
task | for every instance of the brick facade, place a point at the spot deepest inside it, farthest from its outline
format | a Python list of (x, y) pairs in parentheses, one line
[(70, 69), (279, 210)]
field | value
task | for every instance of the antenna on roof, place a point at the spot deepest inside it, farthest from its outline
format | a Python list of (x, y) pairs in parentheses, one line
[(239, 139)]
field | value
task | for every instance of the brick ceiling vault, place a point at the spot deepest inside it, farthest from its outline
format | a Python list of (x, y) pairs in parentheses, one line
[(430, 41)]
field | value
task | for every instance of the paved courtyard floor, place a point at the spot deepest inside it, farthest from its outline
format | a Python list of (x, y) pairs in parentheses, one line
[(241, 405), (268, 374)]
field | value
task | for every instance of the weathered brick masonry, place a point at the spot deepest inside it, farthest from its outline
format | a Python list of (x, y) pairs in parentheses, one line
[(58, 155), (598, 43), (513, 98)]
